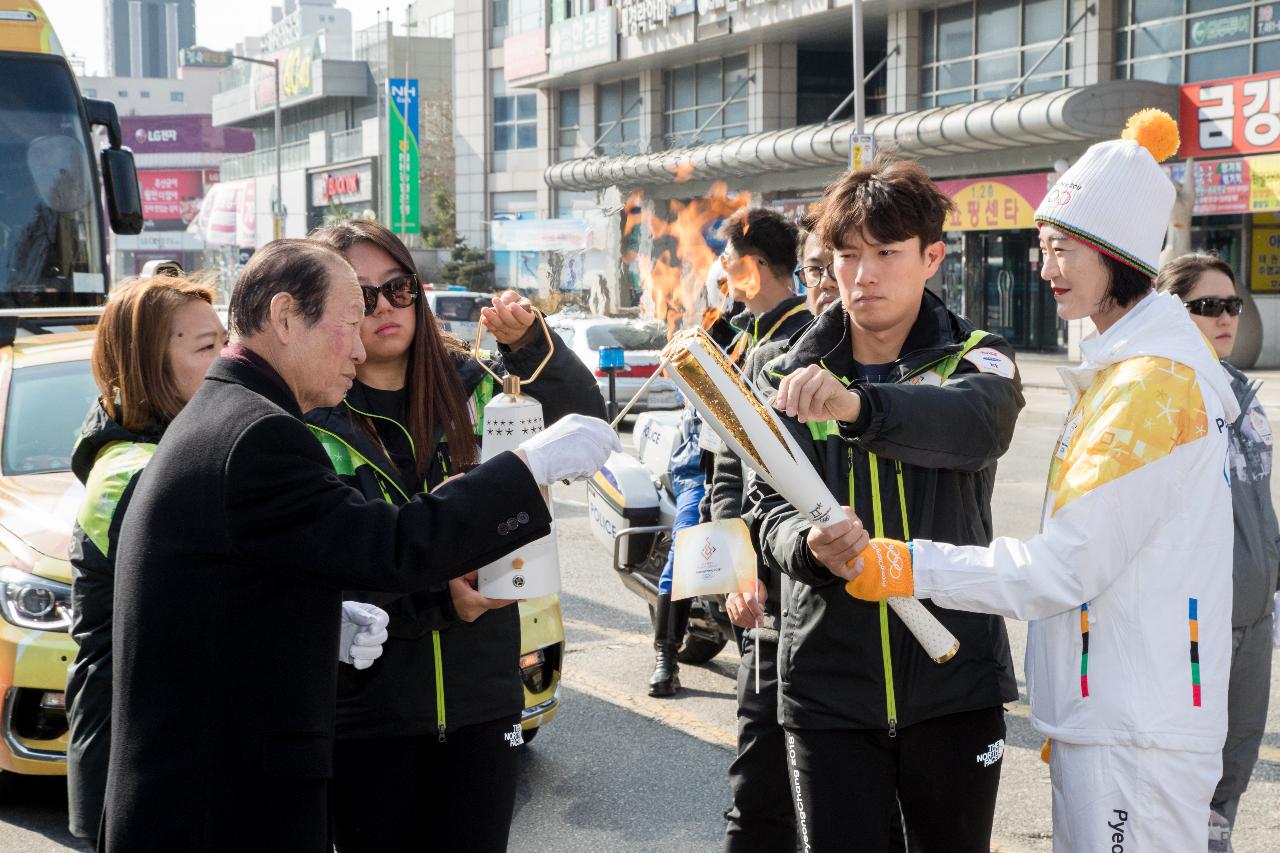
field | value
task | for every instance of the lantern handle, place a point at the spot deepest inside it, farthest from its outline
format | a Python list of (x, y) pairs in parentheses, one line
[(511, 382)]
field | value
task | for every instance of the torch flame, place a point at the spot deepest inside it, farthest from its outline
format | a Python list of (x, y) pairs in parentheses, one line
[(673, 278)]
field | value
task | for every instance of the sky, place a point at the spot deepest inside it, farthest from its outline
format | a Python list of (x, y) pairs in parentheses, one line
[(219, 23)]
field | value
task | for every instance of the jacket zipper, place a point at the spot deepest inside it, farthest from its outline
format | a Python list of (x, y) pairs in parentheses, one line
[(440, 718), (890, 700)]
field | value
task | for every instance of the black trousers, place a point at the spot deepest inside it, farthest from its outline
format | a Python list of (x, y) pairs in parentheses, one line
[(406, 795), (761, 818), (944, 773)]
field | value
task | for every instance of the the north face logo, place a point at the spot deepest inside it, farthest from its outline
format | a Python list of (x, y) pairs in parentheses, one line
[(515, 737), (993, 754)]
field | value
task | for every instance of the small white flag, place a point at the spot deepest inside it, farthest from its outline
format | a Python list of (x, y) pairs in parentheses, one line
[(711, 558)]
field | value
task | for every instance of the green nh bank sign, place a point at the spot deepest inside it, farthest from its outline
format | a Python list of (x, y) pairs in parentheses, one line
[(402, 158)]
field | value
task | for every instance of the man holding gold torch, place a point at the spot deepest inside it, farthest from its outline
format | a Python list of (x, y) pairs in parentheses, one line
[(1129, 641), (926, 405)]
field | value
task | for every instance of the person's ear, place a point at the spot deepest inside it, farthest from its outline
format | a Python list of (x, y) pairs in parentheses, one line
[(933, 255), (281, 312)]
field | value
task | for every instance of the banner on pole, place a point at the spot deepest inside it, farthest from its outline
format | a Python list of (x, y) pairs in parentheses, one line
[(402, 159)]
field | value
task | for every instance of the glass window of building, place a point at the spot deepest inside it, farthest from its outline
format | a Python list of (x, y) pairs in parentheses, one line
[(570, 123), (1188, 41), (177, 96), (618, 108), (825, 78), (562, 10), (706, 102), (979, 51), (498, 15), (515, 118)]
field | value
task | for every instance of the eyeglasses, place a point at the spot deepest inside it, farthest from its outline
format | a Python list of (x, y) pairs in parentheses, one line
[(812, 276), (401, 292), (1213, 306)]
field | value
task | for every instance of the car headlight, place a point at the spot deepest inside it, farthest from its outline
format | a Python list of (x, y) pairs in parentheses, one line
[(30, 601)]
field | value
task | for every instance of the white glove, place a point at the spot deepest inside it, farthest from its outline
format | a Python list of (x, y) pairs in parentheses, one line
[(573, 448), (364, 630), (1275, 622)]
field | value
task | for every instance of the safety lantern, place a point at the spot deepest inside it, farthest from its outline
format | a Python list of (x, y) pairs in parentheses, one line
[(510, 419)]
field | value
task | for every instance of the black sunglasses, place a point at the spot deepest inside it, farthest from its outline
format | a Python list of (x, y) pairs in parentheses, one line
[(1213, 306), (401, 292)]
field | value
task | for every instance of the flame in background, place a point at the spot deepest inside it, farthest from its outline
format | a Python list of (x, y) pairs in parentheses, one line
[(673, 275)]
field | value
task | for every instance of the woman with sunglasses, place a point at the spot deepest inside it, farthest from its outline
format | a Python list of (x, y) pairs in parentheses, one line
[(1206, 285), (427, 736)]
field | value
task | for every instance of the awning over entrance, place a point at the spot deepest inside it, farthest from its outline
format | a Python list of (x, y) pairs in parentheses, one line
[(1082, 114)]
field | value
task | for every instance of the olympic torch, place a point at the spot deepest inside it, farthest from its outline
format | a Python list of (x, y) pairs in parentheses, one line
[(748, 425)]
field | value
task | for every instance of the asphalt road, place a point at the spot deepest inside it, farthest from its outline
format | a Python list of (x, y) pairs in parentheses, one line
[(619, 771)]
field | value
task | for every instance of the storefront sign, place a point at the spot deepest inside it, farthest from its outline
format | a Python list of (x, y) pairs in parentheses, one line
[(642, 16), (1236, 116), (295, 72), (524, 55), (1264, 183), (403, 157), (1267, 20), (1004, 203), (342, 187), (584, 41), (1218, 29), (540, 235), (1221, 186), (1264, 261), (170, 199), (182, 134)]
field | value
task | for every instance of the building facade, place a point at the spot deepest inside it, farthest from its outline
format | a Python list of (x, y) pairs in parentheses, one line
[(145, 36), (335, 134), (569, 109)]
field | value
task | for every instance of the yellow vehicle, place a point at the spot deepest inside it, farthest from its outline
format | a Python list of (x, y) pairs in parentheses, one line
[(45, 391)]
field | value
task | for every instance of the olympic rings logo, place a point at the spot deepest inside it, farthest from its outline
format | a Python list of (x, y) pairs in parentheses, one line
[(1059, 197)]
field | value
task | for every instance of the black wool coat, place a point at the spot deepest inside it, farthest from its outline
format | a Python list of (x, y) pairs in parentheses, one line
[(233, 554)]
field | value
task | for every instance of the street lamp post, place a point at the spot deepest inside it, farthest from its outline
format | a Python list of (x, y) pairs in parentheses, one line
[(859, 101), (277, 205)]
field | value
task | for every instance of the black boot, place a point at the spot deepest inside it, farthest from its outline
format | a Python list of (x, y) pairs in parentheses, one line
[(665, 680)]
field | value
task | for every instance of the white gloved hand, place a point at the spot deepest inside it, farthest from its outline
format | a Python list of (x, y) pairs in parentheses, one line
[(573, 448), (1275, 622), (364, 630)]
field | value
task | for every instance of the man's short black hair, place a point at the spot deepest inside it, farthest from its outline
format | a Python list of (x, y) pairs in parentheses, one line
[(766, 233), (300, 268), (890, 202)]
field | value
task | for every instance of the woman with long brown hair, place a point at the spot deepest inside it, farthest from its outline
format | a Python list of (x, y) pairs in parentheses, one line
[(426, 737), (156, 339)]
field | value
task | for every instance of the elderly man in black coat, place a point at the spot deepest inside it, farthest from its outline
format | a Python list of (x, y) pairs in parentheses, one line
[(233, 554)]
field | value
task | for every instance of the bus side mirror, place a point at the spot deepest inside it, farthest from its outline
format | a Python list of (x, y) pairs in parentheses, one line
[(124, 200)]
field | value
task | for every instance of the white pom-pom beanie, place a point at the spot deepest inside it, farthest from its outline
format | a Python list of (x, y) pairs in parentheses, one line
[(1116, 199)]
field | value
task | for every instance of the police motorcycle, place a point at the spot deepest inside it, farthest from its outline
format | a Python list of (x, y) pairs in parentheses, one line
[(632, 509)]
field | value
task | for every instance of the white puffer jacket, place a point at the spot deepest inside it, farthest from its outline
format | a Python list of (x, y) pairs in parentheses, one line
[(1128, 584)]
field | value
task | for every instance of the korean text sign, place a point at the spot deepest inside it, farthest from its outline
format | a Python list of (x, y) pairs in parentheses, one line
[(403, 159), (1236, 116)]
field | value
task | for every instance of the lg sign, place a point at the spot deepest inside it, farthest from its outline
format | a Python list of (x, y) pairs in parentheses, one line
[(142, 135)]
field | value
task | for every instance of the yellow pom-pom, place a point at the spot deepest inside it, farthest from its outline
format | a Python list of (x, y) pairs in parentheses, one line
[(1155, 130)]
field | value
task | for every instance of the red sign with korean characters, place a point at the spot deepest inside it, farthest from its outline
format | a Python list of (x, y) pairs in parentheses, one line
[(1236, 116), (170, 199), (995, 204)]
